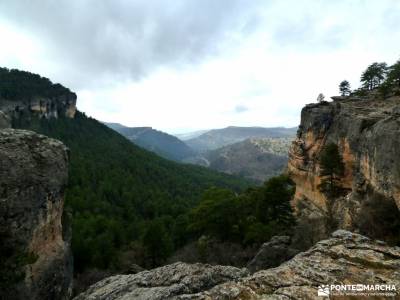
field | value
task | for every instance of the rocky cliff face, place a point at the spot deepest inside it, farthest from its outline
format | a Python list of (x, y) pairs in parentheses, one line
[(63, 105), (367, 133), (35, 254), (345, 258)]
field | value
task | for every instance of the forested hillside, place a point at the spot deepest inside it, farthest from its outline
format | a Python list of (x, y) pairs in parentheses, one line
[(18, 85), (130, 207), (117, 190), (161, 143)]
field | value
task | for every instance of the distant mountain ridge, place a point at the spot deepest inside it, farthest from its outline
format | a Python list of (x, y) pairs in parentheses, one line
[(218, 138), (117, 191), (254, 158), (161, 143), (190, 135)]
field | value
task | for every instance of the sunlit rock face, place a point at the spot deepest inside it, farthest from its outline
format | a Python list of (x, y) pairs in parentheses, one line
[(367, 132), (35, 239)]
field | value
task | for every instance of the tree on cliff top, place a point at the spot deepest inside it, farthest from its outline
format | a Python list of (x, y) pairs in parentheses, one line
[(332, 169), (344, 88), (394, 74), (320, 98), (374, 75)]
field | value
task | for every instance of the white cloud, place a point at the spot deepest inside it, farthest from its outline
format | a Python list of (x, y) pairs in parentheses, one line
[(275, 59)]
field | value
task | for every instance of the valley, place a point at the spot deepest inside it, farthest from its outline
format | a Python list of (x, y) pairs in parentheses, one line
[(199, 150), (254, 153)]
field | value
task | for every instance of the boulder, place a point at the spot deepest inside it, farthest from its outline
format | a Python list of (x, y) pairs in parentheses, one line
[(162, 283), (36, 261), (345, 258), (272, 254)]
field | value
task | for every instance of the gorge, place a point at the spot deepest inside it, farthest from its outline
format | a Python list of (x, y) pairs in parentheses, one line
[(352, 236)]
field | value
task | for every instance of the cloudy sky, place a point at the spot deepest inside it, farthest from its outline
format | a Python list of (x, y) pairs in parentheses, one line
[(185, 65)]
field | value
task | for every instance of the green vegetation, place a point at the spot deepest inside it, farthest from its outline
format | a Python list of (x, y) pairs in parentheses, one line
[(344, 88), (117, 191), (321, 98), (251, 217), (130, 206), (373, 76), (393, 75), (378, 76), (17, 85), (332, 169)]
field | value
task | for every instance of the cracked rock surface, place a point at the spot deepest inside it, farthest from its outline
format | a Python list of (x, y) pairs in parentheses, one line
[(162, 283), (345, 257)]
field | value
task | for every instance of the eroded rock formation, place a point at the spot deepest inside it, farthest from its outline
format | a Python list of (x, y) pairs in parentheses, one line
[(345, 258), (367, 133), (35, 254), (63, 105), (162, 283)]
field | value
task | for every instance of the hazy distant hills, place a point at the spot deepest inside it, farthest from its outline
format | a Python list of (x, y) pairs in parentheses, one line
[(165, 145), (218, 138), (256, 153), (190, 135), (254, 158)]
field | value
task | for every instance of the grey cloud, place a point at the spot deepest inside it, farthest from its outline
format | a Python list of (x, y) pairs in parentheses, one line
[(128, 39)]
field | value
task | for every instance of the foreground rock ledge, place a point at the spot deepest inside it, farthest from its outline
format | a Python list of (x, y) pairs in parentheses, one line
[(344, 258), (36, 259)]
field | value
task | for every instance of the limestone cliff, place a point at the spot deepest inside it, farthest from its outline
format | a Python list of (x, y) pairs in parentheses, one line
[(345, 258), (367, 133), (47, 107), (36, 261)]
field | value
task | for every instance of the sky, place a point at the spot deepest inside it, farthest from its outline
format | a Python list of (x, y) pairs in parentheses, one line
[(186, 65)]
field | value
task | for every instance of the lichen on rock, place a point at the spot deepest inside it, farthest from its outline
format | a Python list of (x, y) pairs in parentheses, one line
[(345, 257)]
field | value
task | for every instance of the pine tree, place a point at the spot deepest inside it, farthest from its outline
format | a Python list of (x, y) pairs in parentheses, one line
[(332, 169), (393, 76), (374, 75), (344, 88), (320, 98)]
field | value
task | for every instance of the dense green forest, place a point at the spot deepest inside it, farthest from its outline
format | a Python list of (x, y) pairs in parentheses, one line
[(129, 206), (118, 192), (253, 216), (17, 85)]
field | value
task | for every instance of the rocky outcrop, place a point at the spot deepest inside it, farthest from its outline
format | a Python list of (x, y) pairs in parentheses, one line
[(162, 283), (62, 105), (272, 254), (367, 133), (36, 262), (345, 258)]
